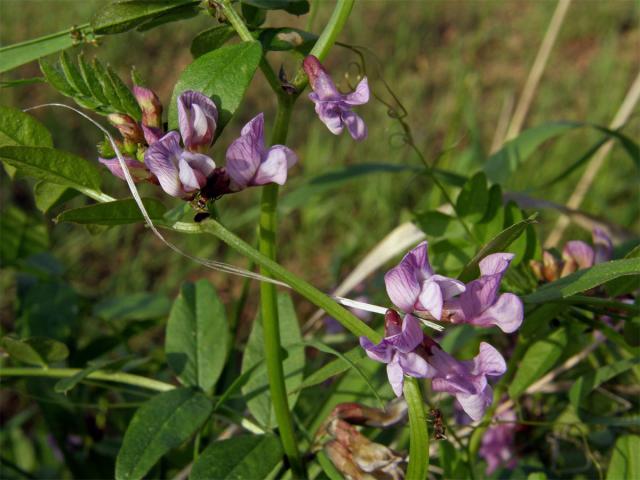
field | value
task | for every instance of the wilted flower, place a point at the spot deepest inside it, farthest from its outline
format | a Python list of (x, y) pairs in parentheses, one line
[(127, 126), (412, 285), (333, 107), (249, 163), (138, 170), (397, 350), (179, 171), (498, 443), (197, 116), (150, 106), (481, 304), (467, 380)]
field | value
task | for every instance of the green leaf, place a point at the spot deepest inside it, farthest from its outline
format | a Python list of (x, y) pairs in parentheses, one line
[(506, 161), (13, 56), (197, 335), (333, 368), (625, 462), (627, 284), (91, 79), (125, 97), (53, 166), (257, 387), (243, 457), (48, 195), (211, 39), (584, 385), (56, 78), (118, 212), (161, 424), (295, 7), (284, 39), (451, 460), (418, 430), (39, 351), (48, 308), (22, 236), (474, 198), (437, 224), (583, 280), (72, 74), (224, 75), (19, 128), (182, 13), (539, 358), (327, 349), (135, 306), (497, 244), (119, 17)]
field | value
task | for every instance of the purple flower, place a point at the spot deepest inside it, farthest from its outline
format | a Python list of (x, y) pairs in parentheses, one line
[(397, 350), (412, 285), (249, 163), (179, 171), (197, 117), (602, 246), (333, 107), (480, 304), (467, 380), (498, 443), (137, 169), (578, 254), (150, 106)]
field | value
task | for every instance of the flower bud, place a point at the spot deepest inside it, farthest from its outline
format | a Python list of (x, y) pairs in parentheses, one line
[(150, 106), (550, 266), (197, 118), (127, 126)]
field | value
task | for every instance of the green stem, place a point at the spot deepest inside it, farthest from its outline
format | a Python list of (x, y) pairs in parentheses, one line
[(269, 305), (311, 293), (418, 431), (117, 377), (327, 38)]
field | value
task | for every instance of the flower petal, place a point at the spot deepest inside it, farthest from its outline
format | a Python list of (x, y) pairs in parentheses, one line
[(331, 115), (197, 118), (602, 246), (496, 263), (136, 168), (396, 377), (402, 287), (273, 168), (430, 298), (380, 353), (361, 94), (320, 80), (162, 158), (579, 252), (245, 153), (356, 126), (488, 361), (450, 287), (506, 313), (194, 168), (476, 405), (414, 365), (410, 337)]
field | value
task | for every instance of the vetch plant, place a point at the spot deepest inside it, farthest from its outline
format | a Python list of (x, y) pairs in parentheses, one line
[(220, 382)]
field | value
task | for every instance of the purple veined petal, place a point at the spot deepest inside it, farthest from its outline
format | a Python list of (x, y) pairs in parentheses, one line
[(151, 134), (162, 159), (450, 287), (194, 168), (602, 245), (380, 353), (430, 298), (402, 287), (507, 313), (320, 80), (242, 161), (489, 361), (274, 167), (355, 124), (360, 95), (136, 168), (496, 263), (410, 337), (396, 377), (330, 114), (414, 365), (197, 118), (580, 252), (475, 405), (418, 260)]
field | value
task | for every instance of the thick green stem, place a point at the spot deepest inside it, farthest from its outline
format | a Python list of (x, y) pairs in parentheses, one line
[(117, 377), (269, 305), (418, 431)]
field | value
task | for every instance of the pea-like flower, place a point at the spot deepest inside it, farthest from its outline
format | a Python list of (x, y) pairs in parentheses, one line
[(412, 285), (150, 106), (197, 117), (138, 170), (481, 304), (467, 380), (180, 172), (397, 350), (250, 163), (498, 443), (335, 108)]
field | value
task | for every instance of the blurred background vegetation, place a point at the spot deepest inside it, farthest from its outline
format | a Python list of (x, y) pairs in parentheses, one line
[(454, 65)]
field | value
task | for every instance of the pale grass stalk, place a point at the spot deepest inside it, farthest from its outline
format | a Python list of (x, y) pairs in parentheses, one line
[(503, 123), (540, 63), (589, 175)]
